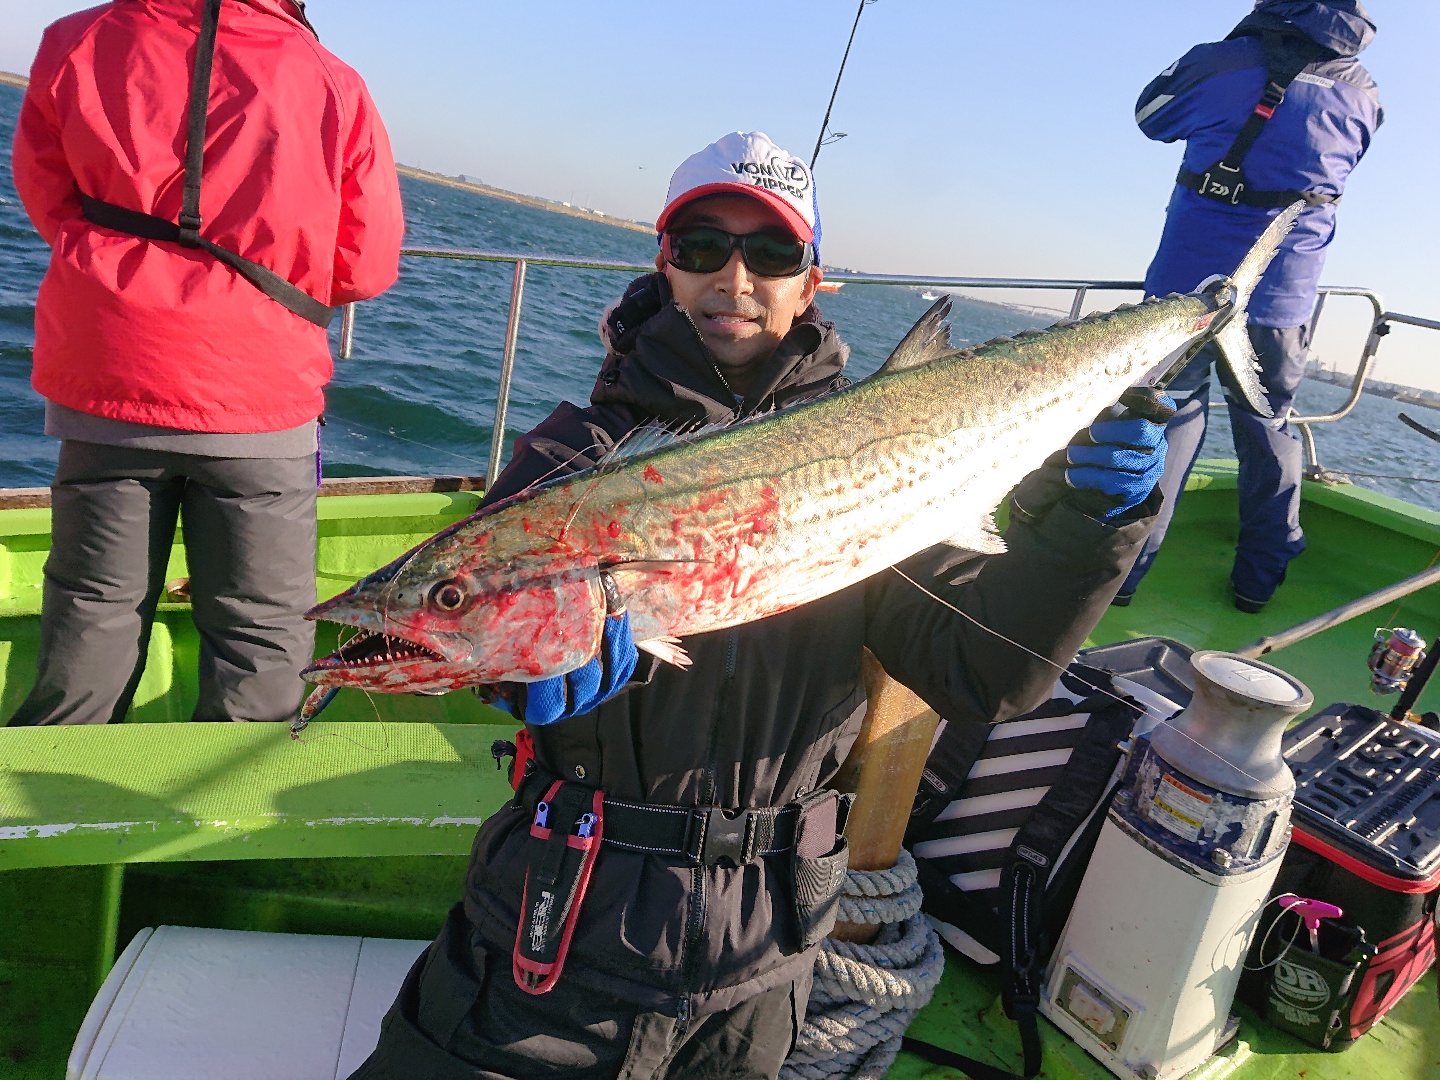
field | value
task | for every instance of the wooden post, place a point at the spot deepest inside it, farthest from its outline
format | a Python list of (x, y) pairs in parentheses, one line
[(883, 770)]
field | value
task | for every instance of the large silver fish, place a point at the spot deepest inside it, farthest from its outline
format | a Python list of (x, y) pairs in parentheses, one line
[(712, 529)]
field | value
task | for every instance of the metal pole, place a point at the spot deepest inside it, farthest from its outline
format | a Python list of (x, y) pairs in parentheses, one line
[(507, 369), (1378, 329), (1077, 303), (1345, 612), (347, 331), (1315, 315), (1307, 437)]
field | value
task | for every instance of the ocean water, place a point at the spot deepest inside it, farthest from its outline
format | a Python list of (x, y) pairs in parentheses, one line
[(418, 397)]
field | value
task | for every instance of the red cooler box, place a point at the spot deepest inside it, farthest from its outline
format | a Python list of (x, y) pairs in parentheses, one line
[(1367, 839)]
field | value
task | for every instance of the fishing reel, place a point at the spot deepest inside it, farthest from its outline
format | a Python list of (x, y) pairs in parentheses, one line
[(1393, 658)]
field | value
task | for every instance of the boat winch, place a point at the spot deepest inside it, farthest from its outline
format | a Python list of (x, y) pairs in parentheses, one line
[(1147, 966)]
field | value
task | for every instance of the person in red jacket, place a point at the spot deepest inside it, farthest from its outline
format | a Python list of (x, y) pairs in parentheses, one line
[(212, 183)]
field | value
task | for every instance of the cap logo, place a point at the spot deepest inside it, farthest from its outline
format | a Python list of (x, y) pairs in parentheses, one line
[(777, 174), (747, 161)]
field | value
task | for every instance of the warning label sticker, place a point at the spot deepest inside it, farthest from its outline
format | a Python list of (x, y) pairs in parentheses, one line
[(1179, 809)]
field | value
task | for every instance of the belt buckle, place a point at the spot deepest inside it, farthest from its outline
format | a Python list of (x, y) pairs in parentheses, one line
[(726, 837)]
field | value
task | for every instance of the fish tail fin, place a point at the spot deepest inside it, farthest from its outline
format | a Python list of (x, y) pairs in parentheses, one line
[(1232, 340), (1244, 366)]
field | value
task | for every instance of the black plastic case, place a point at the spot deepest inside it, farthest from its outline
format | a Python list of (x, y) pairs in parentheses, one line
[(1367, 839)]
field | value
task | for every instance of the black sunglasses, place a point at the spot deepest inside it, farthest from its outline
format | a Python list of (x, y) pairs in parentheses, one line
[(703, 249)]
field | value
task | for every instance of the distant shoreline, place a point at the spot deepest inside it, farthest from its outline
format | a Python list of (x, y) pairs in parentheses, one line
[(1394, 391), (10, 78), (1410, 395), (525, 200)]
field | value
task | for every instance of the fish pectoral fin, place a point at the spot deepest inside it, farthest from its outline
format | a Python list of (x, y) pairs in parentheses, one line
[(668, 649), (982, 537), (1243, 365)]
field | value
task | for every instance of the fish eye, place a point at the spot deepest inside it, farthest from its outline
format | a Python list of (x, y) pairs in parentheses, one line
[(449, 596)]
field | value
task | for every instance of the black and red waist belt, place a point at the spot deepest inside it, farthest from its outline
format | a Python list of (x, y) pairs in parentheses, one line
[(570, 823), (699, 835), (702, 834)]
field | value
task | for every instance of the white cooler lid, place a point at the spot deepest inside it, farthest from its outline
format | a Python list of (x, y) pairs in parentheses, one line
[(184, 1003)]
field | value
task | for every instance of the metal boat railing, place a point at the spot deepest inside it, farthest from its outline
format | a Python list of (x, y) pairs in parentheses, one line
[(1079, 288)]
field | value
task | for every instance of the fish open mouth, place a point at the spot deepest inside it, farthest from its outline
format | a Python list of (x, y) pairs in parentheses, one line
[(370, 649)]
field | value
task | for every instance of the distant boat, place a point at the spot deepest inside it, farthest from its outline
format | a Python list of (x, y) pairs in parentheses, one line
[(928, 295), (830, 286)]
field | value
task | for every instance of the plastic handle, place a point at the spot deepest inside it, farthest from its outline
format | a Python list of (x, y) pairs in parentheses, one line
[(1311, 912)]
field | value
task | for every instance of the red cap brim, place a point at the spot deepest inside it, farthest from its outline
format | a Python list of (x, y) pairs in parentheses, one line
[(781, 205)]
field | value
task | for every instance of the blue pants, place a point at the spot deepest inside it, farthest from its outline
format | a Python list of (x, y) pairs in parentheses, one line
[(1271, 461)]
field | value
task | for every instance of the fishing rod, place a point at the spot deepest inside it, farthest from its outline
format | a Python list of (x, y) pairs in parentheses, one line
[(825, 124)]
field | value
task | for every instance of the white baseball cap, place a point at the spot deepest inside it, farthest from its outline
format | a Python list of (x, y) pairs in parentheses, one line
[(748, 163)]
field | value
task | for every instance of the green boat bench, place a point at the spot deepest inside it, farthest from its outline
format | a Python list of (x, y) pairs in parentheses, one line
[(124, 793)]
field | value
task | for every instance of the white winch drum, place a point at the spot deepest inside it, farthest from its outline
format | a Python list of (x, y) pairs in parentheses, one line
[(1146, 969)]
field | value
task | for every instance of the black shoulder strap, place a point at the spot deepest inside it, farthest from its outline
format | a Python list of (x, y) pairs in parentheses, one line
[(976, 1070), (1225, 180), (187, 232), (1060, 816), (946, 768)]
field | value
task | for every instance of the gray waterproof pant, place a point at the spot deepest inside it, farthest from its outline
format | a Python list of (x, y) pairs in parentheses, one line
[(249, 529)]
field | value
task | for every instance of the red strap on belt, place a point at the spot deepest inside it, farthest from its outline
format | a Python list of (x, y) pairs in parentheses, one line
[(524, 754), (560, 878)]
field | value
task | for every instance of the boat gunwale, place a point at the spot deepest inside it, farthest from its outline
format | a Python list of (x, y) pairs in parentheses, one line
[(38, 498)]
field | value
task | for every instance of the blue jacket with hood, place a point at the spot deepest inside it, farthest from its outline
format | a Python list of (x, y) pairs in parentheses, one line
[(1317, 134)]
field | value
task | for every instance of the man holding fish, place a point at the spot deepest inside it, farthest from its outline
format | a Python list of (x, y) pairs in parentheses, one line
[(649, 903)]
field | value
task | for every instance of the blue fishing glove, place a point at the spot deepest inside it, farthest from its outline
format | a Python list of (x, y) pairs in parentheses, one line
[(564, 696), (1115, 464)]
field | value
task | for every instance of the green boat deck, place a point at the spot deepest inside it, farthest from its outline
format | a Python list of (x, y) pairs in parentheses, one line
[(363, 825)]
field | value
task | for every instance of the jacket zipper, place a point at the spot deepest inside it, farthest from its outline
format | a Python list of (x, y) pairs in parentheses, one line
[(710, 357), (695, 927)]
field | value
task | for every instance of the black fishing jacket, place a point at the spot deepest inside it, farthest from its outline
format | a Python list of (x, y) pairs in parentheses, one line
[(769, 709)]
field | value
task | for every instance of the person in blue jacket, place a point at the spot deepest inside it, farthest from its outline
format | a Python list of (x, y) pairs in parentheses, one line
[(1254, 144)]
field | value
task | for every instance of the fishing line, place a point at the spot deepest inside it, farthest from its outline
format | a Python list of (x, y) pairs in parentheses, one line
[(1260, 952), (1264, 785), (390, 434), (301, 737), (1401, 605), (1392, 476)]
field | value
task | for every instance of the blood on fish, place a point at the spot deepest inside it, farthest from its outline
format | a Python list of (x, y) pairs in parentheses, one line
[(708, 501), (614, 530), (652, 475)]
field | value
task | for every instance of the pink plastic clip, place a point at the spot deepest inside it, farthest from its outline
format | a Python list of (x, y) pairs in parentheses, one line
[(1310, 912)]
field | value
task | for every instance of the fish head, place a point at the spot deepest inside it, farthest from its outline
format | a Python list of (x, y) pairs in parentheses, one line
[(458, 611)]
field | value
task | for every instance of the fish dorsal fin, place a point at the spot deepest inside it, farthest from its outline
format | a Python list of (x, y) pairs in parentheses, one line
[(654, 436), (928, 339)]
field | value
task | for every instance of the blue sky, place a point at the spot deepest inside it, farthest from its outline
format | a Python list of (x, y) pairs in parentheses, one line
[(984, 138)]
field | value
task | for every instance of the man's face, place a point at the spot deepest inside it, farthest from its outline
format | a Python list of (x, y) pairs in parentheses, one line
[(741, 316)]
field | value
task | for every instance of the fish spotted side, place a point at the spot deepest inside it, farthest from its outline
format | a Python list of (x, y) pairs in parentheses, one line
[(711, 529)]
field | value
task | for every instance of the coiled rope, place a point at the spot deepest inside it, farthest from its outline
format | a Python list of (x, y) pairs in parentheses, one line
[(864, 996)]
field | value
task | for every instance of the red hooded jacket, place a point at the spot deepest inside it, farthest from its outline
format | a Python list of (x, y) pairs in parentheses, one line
[(298, 177)]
